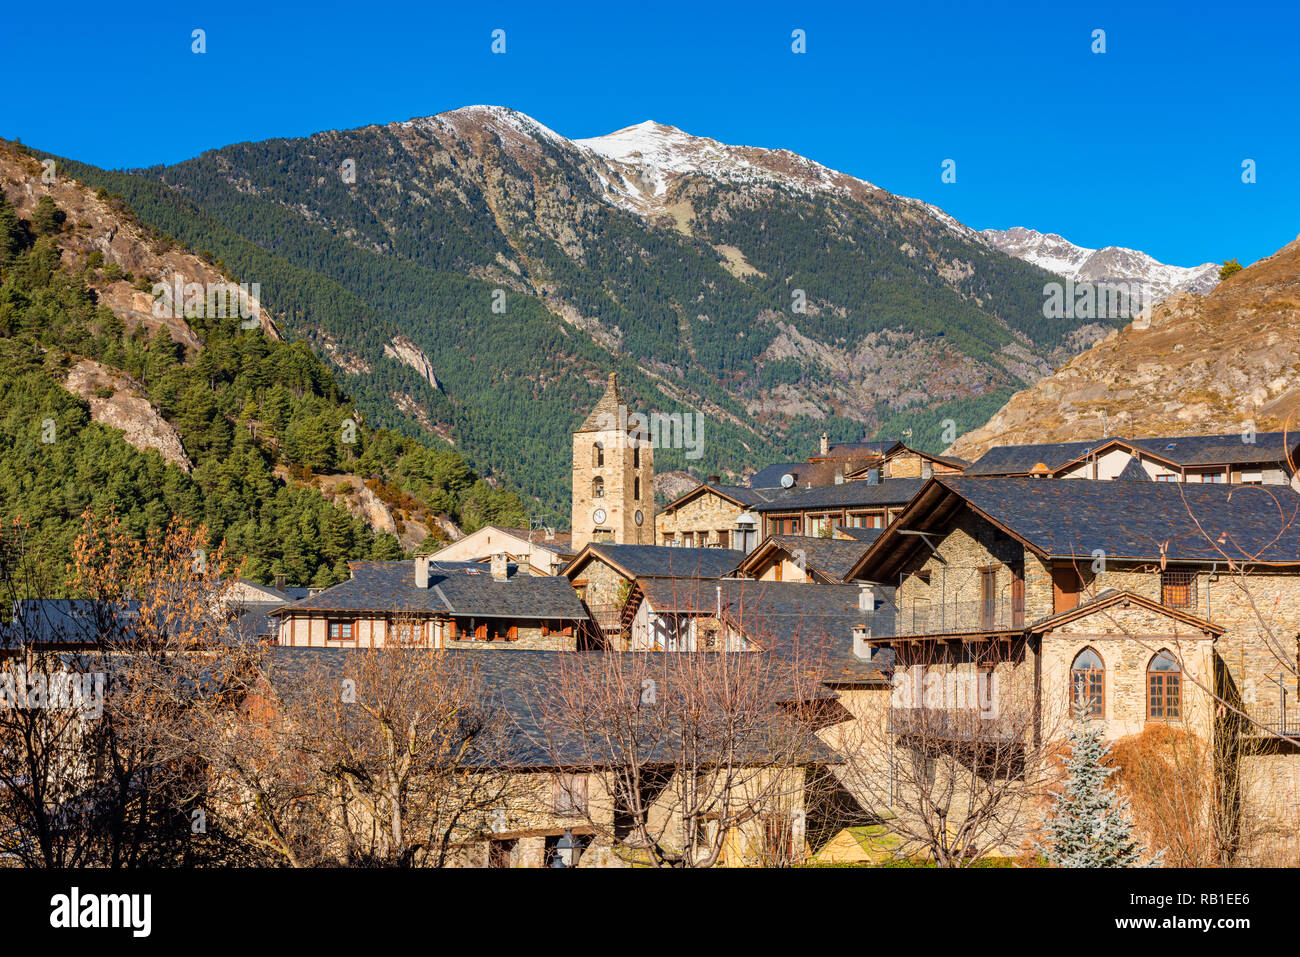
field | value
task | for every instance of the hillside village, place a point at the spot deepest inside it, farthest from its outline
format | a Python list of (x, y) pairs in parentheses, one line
[(896, 618)]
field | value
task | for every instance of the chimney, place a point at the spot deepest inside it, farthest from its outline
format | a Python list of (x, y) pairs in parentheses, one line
[(866, 597), (826, 444), (861, 642), (714, 479), (279, 582), (421, 571), (500, 567)]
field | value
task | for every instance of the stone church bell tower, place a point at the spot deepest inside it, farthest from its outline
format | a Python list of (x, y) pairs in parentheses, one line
[(613, 476)]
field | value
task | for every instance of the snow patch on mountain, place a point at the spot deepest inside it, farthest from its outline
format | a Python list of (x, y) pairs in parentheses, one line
[(1111, 264)]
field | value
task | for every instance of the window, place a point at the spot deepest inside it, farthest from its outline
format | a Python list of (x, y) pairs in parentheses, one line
[(988, 598), (1178, 589), (636, 487), (784, 525), (1166, 477), (688, 539), (1164, 688), (407, 631), (569, 794), (500, 852), (1088, 685), (340, 630), (598, 455), (636, 454), (598, 487), (724, 538)]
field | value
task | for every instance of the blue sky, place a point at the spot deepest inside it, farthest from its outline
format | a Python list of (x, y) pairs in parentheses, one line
[(1140, 146)]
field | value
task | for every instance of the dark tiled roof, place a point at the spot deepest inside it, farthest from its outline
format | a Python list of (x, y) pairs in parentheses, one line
[(514, 684), (667, 561), (866, 535), (555, 541), (831, 556), (256, 621), (1183, 450), (1073, 517), (1133, 472), (848, 495), (1194, 450), (1021, 459), (455, 588)]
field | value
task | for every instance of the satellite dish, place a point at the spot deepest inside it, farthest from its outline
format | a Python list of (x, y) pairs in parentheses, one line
[(787, 480)]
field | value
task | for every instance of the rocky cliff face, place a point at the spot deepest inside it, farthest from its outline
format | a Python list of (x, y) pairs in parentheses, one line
[(1219, 362), (118, 402)]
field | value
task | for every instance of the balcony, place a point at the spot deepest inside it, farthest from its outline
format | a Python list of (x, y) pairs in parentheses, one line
[(1272, 721), (954, 725), (960, 617)]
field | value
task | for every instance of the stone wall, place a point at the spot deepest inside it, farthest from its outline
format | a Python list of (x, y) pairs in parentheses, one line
[(706, 514)]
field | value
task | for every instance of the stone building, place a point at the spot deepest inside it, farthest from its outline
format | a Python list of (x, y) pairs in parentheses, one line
[(1162, 604), (1247, 458), (437, 605), (603, 574), (613, 475)]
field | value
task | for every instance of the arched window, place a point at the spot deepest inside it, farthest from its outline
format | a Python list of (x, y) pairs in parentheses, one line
[(1088, 685), (598, 455), (598, 487), (1164, 688)]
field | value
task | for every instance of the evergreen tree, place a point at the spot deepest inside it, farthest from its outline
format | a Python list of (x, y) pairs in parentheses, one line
[(1091, 826)]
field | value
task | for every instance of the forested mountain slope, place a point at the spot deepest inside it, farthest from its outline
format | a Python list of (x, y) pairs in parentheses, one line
[(107, 402), (775, 297)]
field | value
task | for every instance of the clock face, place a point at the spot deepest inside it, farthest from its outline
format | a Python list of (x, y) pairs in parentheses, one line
[(638, 517), (598, 516)]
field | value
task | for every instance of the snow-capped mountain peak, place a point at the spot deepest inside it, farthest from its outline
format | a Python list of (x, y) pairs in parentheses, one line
[(649, 156), (1108, 265)]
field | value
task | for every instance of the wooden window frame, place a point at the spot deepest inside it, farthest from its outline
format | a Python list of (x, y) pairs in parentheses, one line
[(350, 623), (1095, 685), (1170, 692)]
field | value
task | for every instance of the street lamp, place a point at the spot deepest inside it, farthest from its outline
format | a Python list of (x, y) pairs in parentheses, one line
[(567, 850)]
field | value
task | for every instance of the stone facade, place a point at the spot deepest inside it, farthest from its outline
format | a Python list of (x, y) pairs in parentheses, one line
[(707, 519)]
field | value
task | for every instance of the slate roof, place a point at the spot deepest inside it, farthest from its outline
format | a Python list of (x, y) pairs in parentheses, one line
[(1194, 450), (514, 684), (607, 412), (1021, 459), (865, 535), (1137, 520), (1182, 450), (561, 542), (455, 589), (851, 494), (833, 557), (1133, 472), (668, 561)]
